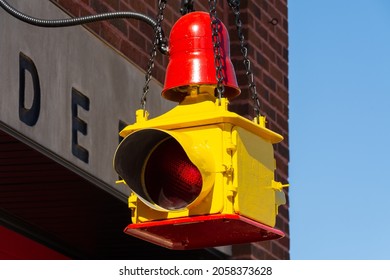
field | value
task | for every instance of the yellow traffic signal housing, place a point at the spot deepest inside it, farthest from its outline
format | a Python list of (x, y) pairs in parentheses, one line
[(200, 175)]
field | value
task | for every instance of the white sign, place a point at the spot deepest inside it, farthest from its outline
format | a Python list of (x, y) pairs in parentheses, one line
[(65, 92)]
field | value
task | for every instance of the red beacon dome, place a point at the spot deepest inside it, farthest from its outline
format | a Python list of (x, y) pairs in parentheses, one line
[(191, 57)]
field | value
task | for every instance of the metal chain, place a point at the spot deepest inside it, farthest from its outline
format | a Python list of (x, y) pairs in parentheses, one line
[(235, 5), (187, 6), (217, 49), (156, 42)]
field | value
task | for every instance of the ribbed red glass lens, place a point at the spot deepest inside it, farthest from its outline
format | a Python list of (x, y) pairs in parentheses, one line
[(171, 180)]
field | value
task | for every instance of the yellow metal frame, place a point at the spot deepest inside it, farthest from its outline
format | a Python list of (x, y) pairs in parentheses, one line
[(238, 171)]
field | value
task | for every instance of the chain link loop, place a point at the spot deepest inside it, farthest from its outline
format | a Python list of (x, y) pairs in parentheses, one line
[(156, 42), (235, 5), (187, 6), (217, 49)]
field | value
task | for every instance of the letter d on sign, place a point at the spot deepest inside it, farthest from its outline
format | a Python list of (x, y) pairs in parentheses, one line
[(28, 116)]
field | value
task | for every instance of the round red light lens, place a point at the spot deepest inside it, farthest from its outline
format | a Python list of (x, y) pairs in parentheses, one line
[(172, 181)]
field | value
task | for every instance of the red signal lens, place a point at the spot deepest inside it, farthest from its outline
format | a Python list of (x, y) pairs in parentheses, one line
[(171, 180)]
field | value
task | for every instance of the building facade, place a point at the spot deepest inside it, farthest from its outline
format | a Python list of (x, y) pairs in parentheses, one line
[(63, 91)]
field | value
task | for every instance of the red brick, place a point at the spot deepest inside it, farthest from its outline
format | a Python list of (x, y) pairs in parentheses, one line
[(114, 4), (99, 6), (109, 35), (274, 43), (72, 7), (254, 9)]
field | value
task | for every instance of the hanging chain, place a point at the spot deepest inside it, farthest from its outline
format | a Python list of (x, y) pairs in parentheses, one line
[(187, 6), (217, 48), (235, 5), (156, 41)]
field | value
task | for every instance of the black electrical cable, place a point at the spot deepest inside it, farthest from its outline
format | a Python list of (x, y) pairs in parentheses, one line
[(84, 20)]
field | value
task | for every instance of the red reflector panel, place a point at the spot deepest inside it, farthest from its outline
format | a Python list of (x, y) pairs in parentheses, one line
[(203, 231), (172, 181)]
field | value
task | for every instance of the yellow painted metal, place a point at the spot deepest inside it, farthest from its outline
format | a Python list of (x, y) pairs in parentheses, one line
[(234, 155), (200, 109), (258, 195)]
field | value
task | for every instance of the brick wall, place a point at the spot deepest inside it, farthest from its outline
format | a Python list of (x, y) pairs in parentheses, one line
[(265, 26)]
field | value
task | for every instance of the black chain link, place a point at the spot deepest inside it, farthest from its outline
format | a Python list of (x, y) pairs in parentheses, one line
[(235, 5), (217, 48), (156, 41), (187, 6)]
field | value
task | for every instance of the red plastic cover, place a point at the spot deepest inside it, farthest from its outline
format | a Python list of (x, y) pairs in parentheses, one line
[(203, 231)]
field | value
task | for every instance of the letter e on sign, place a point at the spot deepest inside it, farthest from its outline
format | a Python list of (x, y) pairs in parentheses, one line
[(79, 99)]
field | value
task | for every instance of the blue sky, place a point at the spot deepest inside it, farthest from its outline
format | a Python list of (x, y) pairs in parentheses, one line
[(339, 129)]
